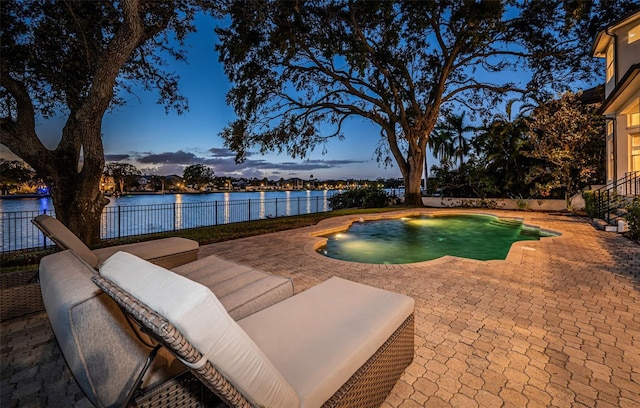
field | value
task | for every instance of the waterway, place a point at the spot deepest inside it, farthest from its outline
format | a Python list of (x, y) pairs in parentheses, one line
[(44, 204), (139, 214)]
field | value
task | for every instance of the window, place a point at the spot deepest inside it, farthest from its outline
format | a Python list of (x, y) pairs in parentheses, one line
[(634, 34), (611, 157), (633, 119), (635, 152), (610, 67), (611, 161)]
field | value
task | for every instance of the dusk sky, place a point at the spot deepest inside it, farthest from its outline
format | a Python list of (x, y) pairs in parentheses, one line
[(142, 134)]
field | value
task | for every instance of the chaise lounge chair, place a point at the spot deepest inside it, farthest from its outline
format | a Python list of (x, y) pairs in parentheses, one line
[(339, 343), (105, 352), (166, 252)]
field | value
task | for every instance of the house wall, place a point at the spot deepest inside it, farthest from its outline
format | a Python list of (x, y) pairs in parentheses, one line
[(626, 55), (577, 202), (622, 143)]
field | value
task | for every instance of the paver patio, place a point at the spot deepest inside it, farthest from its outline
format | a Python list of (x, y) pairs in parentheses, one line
[(556, 324)]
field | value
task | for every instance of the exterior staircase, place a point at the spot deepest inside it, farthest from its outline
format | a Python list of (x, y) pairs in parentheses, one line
[(612, 199)]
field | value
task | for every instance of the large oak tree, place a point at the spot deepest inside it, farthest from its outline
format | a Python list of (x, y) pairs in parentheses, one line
[(76, 59), (301, 69), (567, 138)]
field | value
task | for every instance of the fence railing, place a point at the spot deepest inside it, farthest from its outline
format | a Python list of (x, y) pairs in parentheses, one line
[(18, 233)]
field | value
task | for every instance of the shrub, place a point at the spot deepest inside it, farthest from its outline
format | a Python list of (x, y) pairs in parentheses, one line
[(480, 203), (521, 203), (633, 218), (360, 197), (590, 205)]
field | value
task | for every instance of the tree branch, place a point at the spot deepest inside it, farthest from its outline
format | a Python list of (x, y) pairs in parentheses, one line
[(20, 135)]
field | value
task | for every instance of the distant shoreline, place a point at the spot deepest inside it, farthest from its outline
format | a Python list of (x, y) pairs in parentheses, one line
[(17, 196)]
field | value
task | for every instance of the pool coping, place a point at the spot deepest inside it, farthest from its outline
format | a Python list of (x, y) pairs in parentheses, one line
[(343, 223)]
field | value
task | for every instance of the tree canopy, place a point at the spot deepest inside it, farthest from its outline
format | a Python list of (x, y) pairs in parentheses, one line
[(300, 70), (567, 136), (122, 173), (198, 175), (77, 59), (15, 172), (557, 148)]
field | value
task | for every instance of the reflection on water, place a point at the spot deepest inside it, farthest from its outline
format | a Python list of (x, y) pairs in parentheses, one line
[(177, 220), (288, 201), (142, 214), (44, 203), (227, 208), (262, 214)]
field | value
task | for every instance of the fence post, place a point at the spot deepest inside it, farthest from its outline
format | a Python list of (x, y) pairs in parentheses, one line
[(249, 212), (174, 216), (119, 221), (216, 212), (276, 214)]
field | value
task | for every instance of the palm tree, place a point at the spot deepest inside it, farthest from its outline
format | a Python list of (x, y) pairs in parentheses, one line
[(503, 145), (451, 142), (441, 146)]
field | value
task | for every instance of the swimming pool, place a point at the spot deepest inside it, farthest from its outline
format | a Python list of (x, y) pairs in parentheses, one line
[(428, 237)]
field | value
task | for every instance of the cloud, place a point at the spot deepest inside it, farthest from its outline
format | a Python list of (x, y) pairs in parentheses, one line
[(308, 165), (222, 152), (164, 169), (179, 157), (116, 157), (222, 161), (225, 152)]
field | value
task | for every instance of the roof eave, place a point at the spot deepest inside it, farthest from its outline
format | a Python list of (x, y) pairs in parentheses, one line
[(599, 44), (630, 82), (599, 48)]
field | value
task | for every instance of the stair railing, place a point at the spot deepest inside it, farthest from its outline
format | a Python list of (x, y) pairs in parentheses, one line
[(614, 195)]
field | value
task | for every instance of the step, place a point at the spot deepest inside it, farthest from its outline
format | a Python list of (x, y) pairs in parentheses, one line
[(621, 212), (603, 225)]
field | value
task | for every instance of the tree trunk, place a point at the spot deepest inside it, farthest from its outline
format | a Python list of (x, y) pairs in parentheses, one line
[(78, 206), (73, 170), (413, 181), (75, 183)]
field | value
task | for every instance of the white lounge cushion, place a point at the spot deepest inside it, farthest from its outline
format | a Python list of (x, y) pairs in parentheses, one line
[(242, 290), (202, 319), (157, 248), (320, 337)]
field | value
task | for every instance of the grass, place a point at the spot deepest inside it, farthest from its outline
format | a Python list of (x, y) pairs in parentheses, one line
[(17, 261)]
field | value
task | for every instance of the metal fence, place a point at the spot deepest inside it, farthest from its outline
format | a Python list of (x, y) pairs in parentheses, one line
[(18, 233)]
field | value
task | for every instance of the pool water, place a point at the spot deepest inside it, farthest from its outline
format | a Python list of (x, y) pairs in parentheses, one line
[(417, 239)]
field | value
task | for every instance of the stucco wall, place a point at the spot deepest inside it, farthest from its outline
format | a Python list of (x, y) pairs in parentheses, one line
[(504, 203)]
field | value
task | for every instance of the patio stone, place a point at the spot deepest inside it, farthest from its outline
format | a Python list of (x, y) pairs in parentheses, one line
[(556, 324)]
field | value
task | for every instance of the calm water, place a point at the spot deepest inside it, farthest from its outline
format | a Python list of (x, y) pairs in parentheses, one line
[(417, 239), (145, 214), (41, 204)]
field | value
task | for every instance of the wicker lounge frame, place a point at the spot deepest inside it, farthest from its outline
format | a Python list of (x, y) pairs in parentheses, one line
[(368, 387), (19, 294)]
